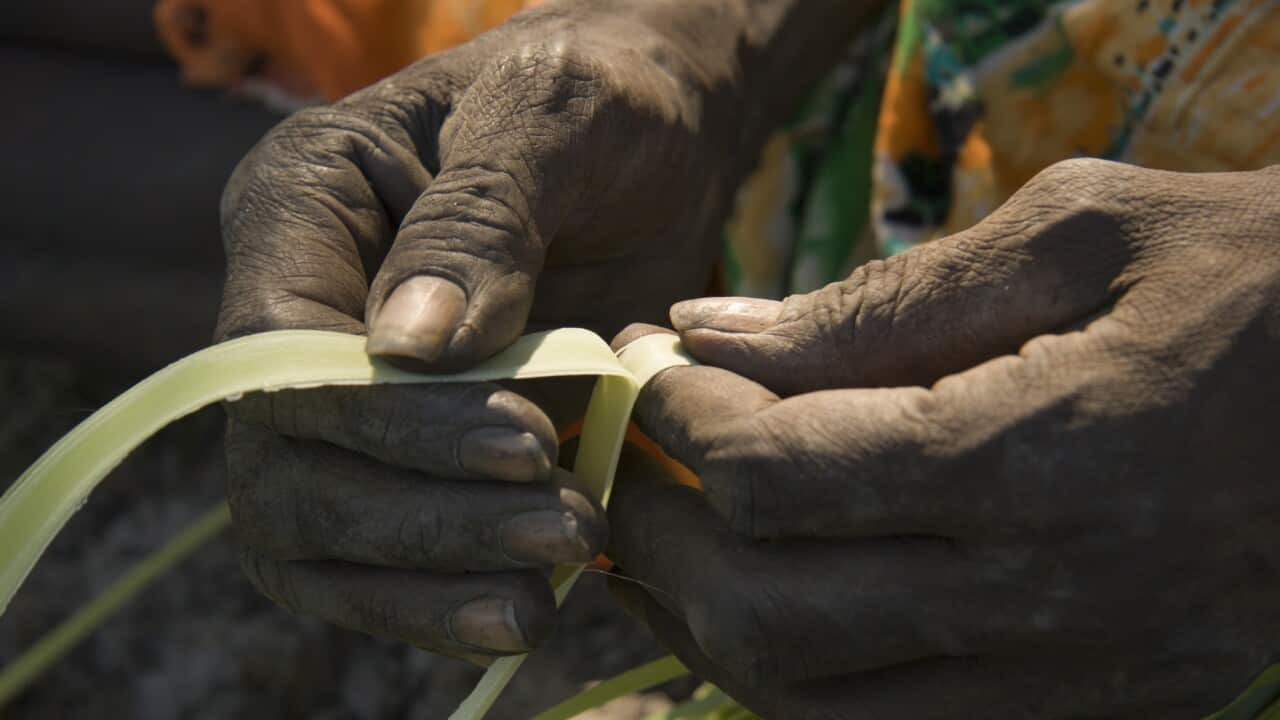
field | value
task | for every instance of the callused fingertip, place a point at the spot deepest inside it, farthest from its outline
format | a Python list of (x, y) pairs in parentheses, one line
[(418, 319), (726, 314), (545, 537), (504, 453), (490, 623), (592, 527)]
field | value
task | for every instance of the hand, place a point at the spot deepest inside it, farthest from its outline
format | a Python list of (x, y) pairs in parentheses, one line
[(1025, 471), (579, 150)]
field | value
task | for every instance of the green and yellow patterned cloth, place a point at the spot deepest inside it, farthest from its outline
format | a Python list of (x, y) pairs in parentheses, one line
[(926, 129)]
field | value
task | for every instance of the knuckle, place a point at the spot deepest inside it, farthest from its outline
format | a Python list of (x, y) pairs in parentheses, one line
[(263, 508), (1074, 175), (856, 317), (312, 129), (299, 152), (870, 302), (1070, 186), (382, 615), (280, 149), (275, 309), (270, 579), (559, 71), (927, 420), (1069, 200), (1079, 200), (476, 209), (375, 611), (545, 91), (381, 421), (419, 535), (823, 320)]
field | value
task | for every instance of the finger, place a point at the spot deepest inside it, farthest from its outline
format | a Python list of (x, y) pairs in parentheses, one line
[(935, 688), (458, 615), (941, 688), (822, 465), (770, 612), (937, 309), (984, 453), (688, 411), (296, 499), (478, 431), (309, 214), (458, 284), (634, 332), (673, 633)]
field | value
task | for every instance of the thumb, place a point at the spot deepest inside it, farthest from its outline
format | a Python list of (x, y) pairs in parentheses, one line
[(916, 317), (458, 283)]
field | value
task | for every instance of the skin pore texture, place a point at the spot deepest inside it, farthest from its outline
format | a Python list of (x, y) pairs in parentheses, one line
[(585, 150), (1024, 471)]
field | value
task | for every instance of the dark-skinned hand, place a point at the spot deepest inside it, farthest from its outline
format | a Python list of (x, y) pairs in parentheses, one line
[(1029, 470), (588, 150)]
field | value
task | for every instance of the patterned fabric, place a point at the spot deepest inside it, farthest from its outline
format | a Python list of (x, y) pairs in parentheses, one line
[(799, 218), (979, 96), (984, 94)]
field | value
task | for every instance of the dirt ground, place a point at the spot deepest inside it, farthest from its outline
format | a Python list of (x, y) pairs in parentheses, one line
[(201, 643)]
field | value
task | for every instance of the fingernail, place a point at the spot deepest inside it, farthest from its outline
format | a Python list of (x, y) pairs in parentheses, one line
[(545, 536), (504, 453), (731, 314), (418, 319), (489, 623)]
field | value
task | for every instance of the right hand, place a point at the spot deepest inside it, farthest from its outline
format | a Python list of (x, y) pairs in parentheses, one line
[(587, 151)]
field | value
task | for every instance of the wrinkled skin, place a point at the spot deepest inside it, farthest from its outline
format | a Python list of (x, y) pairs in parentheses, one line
[(1025, 471), (588, 150)]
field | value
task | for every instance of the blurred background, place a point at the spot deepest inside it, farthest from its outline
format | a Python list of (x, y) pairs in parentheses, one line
[(122, 121)]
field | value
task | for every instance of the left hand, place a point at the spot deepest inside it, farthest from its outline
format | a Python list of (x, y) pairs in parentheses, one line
[(1030, 470)]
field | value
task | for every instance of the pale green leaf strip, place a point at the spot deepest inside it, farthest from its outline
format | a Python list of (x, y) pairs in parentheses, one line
[(45, 496), (41, 501), (603, 431), (632, 681)]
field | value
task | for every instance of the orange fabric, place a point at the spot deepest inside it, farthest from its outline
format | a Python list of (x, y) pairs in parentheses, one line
[(674, 468), (315, 49)]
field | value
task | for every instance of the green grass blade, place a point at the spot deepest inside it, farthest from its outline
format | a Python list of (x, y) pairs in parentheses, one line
[(631, 681), (49, 649)]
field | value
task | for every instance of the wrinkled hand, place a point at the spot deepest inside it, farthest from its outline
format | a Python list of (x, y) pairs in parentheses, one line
[(574, 150), (1029, 470)]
